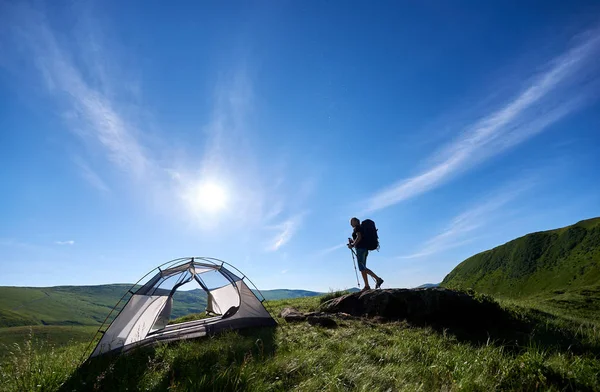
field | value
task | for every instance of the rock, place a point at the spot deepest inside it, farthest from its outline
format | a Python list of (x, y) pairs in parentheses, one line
[(323, 321), (313, 318), (312, 314), (433, 306), (291, 315)]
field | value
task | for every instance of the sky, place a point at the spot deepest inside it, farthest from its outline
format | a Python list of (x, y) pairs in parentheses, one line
[(134, 133)]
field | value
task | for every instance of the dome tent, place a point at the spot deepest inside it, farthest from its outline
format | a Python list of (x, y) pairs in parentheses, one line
[(144, 319)]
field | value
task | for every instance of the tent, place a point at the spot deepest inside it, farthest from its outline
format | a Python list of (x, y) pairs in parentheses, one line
[(144, 319)]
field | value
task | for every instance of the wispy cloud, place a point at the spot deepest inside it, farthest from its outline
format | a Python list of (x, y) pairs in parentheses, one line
[(285, 231), (284, 271), (91, 176), (327, 251), (564, 87), (35, 248), (70, 242), (93, 108), (92, 114), (466, 227), (79, 92)]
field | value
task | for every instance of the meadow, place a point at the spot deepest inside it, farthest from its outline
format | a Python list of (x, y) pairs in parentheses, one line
[(561, 353)]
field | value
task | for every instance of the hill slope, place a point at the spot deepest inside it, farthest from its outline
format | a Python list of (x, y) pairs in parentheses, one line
[(89, 305), (61, 305), (563, 259)]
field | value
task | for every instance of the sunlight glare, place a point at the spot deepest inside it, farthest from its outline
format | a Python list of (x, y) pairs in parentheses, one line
[(210, 197)]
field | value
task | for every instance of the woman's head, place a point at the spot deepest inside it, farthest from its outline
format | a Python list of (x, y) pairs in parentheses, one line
[(354, 222)]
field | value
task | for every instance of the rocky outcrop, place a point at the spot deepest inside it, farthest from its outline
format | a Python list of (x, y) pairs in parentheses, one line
[(473, 317), (313, 318), (433, 306)]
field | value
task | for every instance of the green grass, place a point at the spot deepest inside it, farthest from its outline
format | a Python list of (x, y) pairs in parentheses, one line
[(538, 263), (57, 335), (581, 303), (561, 353), (333, 294), (189, 317)]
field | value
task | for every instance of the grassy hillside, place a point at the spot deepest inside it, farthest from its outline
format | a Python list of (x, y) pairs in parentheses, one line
[(62, 305), (188, 302), (560, 354), (89, 305), (538, 263)]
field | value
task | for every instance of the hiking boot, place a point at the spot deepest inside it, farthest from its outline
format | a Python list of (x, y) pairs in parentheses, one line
[(365, 288), (379, 282)]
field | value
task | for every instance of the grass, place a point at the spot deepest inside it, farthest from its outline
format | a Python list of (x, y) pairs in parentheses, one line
[(38, 335), (189, 317), (562, 353), (578, 304), (36, 365), (332, 294)]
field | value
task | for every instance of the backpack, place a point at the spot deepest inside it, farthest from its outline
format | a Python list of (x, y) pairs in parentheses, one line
[(369, 232)]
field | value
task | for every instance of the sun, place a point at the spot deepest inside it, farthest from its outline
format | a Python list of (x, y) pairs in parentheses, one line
[(210, 197)]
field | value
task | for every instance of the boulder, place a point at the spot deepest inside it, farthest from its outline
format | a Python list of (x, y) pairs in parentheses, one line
[(433, 306), (291, 315)]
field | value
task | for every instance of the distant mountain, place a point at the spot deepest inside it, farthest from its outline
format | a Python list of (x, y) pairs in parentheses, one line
[(90, 305), (565, 258), (428, 285), (271, 295)]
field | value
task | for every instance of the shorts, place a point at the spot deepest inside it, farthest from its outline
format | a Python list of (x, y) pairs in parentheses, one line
[(361, 258)]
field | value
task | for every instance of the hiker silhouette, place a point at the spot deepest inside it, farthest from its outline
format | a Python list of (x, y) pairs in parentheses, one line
[(362, 241)]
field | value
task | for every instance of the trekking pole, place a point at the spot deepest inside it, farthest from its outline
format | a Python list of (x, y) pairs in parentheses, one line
[(354, 263)]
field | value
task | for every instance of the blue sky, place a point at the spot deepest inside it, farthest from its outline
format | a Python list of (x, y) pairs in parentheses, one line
[(133, 133)]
